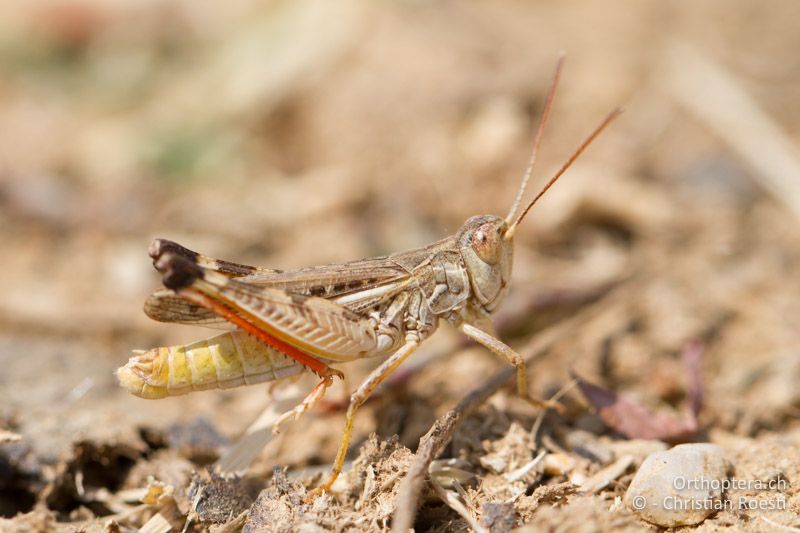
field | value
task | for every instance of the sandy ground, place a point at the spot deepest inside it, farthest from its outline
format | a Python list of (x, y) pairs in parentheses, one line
[(287, 134)]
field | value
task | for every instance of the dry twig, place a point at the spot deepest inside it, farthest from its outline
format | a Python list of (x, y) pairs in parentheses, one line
[(604, 477)]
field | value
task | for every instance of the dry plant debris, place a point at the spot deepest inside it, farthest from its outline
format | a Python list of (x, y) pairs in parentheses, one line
[(636, 421)]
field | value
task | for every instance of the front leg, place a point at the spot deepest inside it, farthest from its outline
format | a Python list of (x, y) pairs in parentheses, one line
[(510, 356)]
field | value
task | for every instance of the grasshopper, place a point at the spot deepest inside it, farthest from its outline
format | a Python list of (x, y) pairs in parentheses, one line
[(288, 322)]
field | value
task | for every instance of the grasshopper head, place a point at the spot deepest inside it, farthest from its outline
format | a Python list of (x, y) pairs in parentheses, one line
[(488, 254), (486, 242)]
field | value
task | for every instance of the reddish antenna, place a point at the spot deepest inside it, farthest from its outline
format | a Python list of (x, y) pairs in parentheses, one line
[(611, 116), (537, 140)]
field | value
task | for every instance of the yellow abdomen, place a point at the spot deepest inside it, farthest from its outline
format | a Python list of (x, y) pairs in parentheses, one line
[(227, 360)]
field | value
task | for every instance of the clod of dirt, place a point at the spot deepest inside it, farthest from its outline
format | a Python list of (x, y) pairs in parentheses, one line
[(198, 440), (580, 515), (498, 517), (279, 508), (32, 522), (374, 479), (88, 475), (20, 479), (219, 499), (168, 467), (367, 504), (514, 450)]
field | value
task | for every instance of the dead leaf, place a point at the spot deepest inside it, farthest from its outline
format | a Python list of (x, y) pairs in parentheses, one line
[(638, 422)]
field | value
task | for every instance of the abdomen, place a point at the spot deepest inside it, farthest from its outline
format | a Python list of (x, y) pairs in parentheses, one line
[(228, 360)]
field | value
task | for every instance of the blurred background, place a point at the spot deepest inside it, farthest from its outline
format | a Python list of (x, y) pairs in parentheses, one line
[(291, 133)]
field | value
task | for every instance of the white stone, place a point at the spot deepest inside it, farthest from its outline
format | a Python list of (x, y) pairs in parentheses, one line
[(680, 486)]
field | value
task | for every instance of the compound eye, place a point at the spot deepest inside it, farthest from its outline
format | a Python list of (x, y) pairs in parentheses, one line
[(486, 242)]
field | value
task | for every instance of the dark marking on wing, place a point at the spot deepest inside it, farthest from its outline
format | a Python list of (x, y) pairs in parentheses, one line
[(317, 291), (178, 271), (160, 247)]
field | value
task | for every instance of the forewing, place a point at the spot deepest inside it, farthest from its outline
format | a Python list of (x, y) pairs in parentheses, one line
[(357, 286), (335, 280), (312, 324)]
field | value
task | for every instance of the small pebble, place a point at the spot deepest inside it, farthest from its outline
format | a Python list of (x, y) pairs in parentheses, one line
[(557, 464), (498, 517), (680, 486)]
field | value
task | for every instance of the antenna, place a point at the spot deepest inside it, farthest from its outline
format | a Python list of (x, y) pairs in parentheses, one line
[(537, 140), (611, 116)]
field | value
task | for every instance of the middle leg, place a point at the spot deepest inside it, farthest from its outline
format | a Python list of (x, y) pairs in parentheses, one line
[(363, 392)]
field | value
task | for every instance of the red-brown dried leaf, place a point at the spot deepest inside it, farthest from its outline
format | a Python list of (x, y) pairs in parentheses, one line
[(638, 422)]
